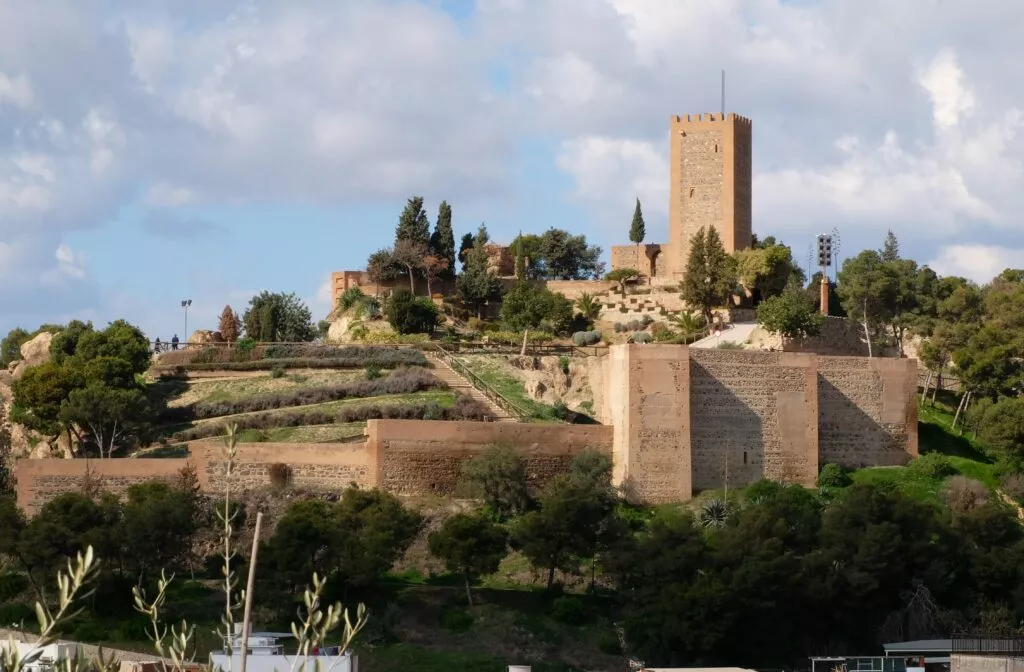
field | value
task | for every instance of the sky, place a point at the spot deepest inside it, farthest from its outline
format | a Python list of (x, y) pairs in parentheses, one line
[(153, 151)]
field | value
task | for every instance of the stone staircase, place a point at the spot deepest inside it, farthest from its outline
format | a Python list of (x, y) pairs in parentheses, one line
[(459, 384)]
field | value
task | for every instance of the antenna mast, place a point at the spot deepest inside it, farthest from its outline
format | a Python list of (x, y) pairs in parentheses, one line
[(723, 94)]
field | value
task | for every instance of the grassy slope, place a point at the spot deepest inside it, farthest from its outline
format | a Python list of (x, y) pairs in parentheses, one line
[(965, 454), (498, 374)]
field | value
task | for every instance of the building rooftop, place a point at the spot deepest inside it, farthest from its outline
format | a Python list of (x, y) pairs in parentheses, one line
[(920, 646)]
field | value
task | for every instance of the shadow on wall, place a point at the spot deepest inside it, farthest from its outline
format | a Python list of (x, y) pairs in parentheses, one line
[(853, 437), (727, 435)]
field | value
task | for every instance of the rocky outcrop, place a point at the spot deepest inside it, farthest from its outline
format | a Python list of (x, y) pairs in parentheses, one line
[(34, 352), (550, 379), (205, 336)]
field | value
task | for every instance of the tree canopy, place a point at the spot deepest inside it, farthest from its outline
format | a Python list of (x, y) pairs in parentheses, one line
[(558, 255), (710, 275), (278, 317)]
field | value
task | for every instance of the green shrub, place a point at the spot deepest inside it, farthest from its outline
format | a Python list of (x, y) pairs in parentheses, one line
[(373, 372), (350, 297), (563, 364), (569, 609), (610, 645), (245, 345), (641, 337), (277, 372), (581, 338), (408, 314), (15, 612), (560, 410), (933, 465), (456, 620), (528, 306), (833, 476), (12, 585)]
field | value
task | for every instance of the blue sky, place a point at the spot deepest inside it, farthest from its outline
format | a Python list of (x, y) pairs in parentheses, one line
[(197, 150)]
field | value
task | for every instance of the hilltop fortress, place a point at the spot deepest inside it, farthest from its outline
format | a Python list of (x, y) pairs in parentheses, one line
[(675, 420)]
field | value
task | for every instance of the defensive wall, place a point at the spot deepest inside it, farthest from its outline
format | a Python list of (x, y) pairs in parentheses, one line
[(406, 457), (675, 421), (694, 419)]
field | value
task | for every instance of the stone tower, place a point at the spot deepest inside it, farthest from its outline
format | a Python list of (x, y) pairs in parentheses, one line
[(710, 183)]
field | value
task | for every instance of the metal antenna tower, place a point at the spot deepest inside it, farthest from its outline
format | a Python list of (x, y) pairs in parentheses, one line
[(835, 252)]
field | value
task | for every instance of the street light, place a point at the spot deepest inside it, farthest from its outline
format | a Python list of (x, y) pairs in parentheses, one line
[(185, 303)]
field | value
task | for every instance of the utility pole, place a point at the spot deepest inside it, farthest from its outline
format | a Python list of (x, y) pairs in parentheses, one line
[(185, 303)]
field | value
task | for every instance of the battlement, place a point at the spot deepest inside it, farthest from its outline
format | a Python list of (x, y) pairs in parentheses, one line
[(710, 118)]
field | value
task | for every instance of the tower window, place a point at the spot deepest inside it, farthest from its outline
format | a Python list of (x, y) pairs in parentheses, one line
[(744, 457), (716, 148), (691, 192)]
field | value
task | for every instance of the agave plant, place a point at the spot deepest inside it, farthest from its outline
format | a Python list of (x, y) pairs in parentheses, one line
[(714, 513)]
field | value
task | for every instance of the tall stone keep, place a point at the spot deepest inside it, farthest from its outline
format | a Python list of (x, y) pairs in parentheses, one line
[(710, 182)]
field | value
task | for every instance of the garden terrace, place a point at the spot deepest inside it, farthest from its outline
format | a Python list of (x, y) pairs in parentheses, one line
[(287, 356)]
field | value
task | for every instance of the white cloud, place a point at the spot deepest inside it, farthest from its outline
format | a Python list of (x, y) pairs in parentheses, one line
[(980, 263), (166, 194), (951, 97), (15, 90)]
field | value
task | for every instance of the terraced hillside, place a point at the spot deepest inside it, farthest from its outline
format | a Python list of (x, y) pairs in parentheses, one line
[(305, 394)]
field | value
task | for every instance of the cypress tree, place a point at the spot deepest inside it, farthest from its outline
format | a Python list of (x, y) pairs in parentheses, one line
[(709, 276), (442, 242), (413, 223), (891, 249), (637, 231)]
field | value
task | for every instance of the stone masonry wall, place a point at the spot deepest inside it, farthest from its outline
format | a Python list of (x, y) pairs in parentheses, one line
[(867, 410), (40, 480), (754, 415), (423, 457), (962, 662), (315, 466)]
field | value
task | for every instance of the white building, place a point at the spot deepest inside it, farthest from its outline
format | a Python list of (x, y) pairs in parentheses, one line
[(266, 654), (48, 654)]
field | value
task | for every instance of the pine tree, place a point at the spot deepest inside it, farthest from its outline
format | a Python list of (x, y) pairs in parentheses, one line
[(709, 276), (230, 324), (413, 223), (476, 284), (464, 247), (891, 249), (520, 259), (442, 242), (637, 231)]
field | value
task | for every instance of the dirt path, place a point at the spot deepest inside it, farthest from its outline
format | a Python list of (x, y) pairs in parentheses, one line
[(1012, 503)]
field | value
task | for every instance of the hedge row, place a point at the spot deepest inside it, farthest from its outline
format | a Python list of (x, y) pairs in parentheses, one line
[(222, 357), (465, 408), (269, 364), (404, 380)]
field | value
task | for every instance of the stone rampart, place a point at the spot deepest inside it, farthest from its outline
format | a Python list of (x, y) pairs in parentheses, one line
[(314, 466), (692, 419), (424, 457), (40, 480)]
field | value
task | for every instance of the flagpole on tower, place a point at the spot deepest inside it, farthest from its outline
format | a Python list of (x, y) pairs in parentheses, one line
[(723, 94)]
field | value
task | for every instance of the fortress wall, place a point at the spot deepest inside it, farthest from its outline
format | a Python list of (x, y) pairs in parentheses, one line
[(652, 431), (419, 457), (315, 466), (756, 412), (573, 289), (867, 410), (39, 481)]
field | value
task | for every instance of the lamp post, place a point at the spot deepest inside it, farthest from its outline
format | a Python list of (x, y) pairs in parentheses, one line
[(185, 303)]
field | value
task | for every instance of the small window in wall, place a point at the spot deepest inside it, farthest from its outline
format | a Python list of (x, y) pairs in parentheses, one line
[(691, 192), (716, 148), (744, 457)]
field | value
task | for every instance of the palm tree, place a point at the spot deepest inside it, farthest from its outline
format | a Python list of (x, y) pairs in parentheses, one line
[(588, 306), (687, 322)]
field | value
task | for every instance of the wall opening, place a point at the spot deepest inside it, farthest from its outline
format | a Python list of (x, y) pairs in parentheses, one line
[(654, 264), (744, 457)]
